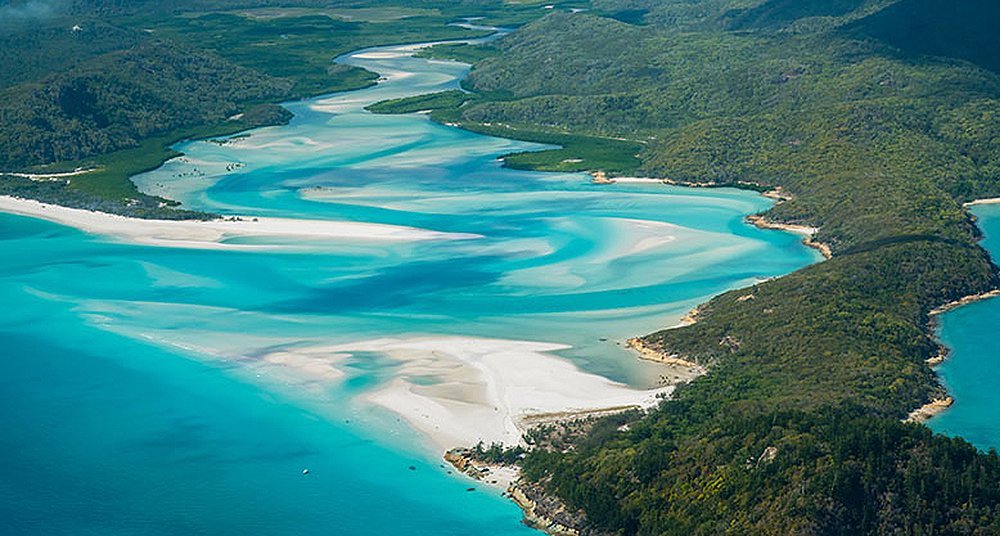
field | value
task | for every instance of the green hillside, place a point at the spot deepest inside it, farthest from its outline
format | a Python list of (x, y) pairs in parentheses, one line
[(965, 30)]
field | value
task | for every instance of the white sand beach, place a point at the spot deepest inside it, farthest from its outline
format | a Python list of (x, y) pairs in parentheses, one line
[(986, 201), (212, 234), (638, 180), (462, 390), (51, 176)]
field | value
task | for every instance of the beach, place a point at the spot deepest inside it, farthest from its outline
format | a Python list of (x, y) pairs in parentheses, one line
[(462, 390), (804, 230), (984, 201), (213, 234)]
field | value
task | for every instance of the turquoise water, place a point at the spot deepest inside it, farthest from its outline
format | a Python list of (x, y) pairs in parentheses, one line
[(136, 395), (972, 370)]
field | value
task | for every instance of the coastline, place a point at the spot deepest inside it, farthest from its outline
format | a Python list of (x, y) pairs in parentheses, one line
[(965, 300), (938, 358), (984, 201), (213, 234), (925, 412), (940, 405), (644, 351), (759, 220), (539, 509), (458, 391), (601, 177), (50, 176), (930, 410)]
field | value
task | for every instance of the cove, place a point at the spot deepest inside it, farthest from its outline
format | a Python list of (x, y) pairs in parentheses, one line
[(971, 372), (171, 390)]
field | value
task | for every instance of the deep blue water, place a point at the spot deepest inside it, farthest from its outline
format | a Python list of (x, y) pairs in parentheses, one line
[(148, 390), (972, 370)]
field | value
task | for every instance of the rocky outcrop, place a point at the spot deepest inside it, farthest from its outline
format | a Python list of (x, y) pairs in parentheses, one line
[(546, 512), (649, 353), (930, 409)]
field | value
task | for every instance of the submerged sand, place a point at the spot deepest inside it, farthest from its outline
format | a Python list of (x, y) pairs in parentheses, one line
[(461, 390)]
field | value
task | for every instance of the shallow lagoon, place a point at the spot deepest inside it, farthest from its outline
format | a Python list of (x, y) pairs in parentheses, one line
[(136, 396)]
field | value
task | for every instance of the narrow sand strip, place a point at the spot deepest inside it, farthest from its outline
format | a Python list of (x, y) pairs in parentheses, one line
[(462, 390), (211, 234), (638, 180), (50, 176), (986, 201), (807, 232)]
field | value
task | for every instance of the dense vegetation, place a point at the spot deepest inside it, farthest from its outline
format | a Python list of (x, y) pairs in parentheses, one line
[(877, 118), (118, 99), (778, 471)]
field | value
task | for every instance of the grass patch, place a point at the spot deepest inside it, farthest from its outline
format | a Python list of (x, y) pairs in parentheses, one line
[(575, 152), (430, 101)]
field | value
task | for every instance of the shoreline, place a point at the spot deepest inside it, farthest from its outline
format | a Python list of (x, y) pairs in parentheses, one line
[(984, 201), (930, 410), (49, 176), (539, 510), (760, 221), (601, 177), (214, 234), (965, 300), (940, 405), (459, 390), (645, 352), (938, 358)]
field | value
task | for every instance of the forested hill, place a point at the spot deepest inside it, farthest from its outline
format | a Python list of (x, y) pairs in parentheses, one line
[(118, 99), (877, 119), (965, 30)]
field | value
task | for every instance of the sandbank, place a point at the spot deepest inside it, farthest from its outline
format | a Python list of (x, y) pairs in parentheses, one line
[(461, 390), (212, 234)]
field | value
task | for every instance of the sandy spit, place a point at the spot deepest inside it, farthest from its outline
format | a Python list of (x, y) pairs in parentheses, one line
[(270, 233)]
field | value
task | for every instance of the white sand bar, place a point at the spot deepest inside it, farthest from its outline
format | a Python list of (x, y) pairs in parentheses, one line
[(462, 390), (213, 233)]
